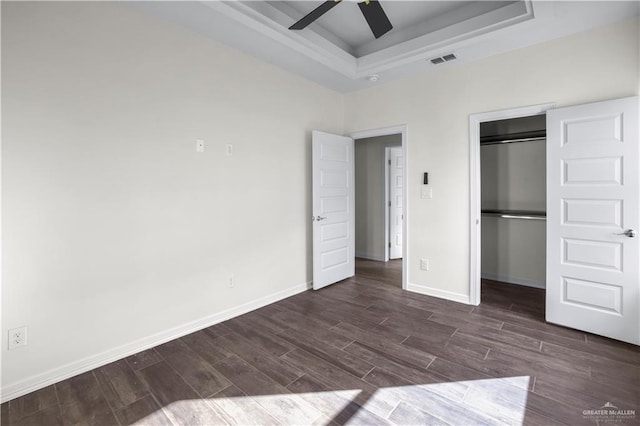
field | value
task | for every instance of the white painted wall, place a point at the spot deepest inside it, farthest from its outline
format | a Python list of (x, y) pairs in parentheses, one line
[(370, 189), (116, 233), (594, 65), (513, 177)]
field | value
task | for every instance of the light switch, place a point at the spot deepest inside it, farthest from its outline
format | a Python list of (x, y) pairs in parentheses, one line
[(426, 193), (199, 145)]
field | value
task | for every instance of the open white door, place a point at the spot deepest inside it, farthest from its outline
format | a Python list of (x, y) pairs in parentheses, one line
[(333, 209), (396, 173), (593, 202)]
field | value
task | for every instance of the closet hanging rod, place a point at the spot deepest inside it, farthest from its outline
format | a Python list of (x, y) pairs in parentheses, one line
[(516, 214), (513, 137), (516, 140)]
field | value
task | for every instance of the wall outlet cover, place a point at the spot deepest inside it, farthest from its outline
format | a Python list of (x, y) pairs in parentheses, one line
[(17, 337)]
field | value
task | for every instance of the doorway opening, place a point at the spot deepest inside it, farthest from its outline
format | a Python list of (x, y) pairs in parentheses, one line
[(380, 201), (508, 202)]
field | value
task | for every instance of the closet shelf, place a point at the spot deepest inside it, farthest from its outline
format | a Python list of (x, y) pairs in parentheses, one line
[(516, 214)]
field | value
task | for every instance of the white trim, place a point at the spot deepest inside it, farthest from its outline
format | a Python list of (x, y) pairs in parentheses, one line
[(475, 187), (39, 381), (513, 280), (1, 210), (436, 292), (370, 257), (387, 240), (404, 132)]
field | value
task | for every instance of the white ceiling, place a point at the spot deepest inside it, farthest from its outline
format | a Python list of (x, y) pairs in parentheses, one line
[(340, 52)]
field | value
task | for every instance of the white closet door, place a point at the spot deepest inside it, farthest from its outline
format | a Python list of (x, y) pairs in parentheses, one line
[(593, 203)]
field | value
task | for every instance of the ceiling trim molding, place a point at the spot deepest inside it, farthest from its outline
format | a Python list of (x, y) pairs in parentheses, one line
[(309, 43), (451, 37), (273, 23)]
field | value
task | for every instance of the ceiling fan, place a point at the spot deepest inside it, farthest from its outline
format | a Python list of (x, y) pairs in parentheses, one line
[(371, 9)]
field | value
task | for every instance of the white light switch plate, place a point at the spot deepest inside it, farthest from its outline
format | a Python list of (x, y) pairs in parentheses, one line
[(426, 193), (424, 264), (199, 145)]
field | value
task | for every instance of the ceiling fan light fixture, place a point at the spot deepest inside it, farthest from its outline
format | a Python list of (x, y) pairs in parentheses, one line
[(373, 13), (373, 78)]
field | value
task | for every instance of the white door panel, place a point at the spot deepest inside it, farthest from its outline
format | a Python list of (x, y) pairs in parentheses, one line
[(396, 214), (593, 197), (333, 209)]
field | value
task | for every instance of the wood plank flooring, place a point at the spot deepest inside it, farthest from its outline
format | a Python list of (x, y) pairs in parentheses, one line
[(359, 352)]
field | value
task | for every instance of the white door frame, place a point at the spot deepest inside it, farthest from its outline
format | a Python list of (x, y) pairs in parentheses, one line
[(386, 131), (475, 265)]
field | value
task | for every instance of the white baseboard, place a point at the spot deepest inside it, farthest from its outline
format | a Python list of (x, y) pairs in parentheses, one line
[(442, 294), (39, 381), (513, 280), (370, 257)]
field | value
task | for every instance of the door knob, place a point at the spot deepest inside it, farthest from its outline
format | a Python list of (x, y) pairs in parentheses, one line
[(319, 218), (629, 233)]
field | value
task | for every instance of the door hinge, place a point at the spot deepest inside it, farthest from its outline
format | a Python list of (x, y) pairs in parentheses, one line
[(389, 162), (389, 244), (389, 203)]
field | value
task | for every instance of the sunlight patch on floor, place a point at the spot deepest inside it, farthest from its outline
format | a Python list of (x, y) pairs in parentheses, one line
[(490, 401)]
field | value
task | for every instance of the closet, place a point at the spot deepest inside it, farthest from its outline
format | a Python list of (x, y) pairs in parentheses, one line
[(513, 200)]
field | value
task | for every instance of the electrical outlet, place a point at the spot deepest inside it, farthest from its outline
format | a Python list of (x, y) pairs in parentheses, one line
[(231, 282), (424, 264), (17, 337), (228, 150)]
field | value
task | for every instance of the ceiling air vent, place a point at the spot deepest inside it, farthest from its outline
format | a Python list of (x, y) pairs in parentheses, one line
[(442, 59)]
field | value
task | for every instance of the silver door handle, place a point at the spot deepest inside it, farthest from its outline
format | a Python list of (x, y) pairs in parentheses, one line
[(629, 233), (318, 218)]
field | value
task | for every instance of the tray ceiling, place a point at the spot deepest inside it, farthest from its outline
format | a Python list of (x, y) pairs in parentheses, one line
[(339, 51)]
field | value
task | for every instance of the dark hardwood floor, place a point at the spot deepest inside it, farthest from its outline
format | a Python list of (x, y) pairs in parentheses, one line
[(362, 351)]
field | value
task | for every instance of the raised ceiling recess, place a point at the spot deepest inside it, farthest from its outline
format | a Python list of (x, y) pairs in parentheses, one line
[(342, 38), (340, 51)]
